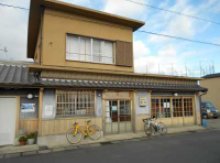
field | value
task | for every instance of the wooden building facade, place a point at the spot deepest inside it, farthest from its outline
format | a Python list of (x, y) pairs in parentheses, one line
[(83, 69)]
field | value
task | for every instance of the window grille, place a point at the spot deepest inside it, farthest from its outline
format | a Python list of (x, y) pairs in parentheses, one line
[(75, 103), (177, 107), (188, 109), (181, 106), (160, 107)]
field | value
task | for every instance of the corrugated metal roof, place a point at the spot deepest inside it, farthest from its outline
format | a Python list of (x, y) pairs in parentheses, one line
[(19, 75), (212, 75)]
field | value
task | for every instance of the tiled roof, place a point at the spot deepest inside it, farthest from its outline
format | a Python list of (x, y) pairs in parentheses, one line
[(116, 84), (212, 75), (16, 75), (19, 75)]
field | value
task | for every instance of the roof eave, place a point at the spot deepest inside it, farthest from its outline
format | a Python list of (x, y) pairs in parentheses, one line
[(36, 11)]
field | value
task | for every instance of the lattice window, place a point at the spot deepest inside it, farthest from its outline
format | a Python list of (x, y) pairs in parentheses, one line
[(181, 106), (160, 108), (188, 107), (155, 108), (177, 107), (75, 103)]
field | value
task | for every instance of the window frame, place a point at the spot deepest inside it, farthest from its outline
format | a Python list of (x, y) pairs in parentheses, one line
[(76, 92), (91, 50), (182, 111)]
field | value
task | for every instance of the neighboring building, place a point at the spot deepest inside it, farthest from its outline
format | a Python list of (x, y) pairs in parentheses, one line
[(83, 69), (212, 82)]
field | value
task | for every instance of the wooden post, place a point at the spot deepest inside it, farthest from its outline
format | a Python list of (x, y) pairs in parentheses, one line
[(133, 113), (40, 111)]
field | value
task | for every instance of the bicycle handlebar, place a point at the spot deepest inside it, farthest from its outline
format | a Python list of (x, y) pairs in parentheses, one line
[(145, 119)]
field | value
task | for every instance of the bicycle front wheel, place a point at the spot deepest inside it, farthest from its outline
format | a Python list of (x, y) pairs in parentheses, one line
[(162, 128), (94, 132), (73, 137)]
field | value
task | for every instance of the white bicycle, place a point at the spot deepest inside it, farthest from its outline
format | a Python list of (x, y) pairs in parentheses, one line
[(152, 127)]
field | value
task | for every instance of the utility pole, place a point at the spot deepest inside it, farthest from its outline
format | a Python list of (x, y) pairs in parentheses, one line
[(4, 50), (186, 69)]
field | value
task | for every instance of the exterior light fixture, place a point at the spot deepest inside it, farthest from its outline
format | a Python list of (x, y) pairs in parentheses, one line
[(175, 94), (30, 96), (99, 94)]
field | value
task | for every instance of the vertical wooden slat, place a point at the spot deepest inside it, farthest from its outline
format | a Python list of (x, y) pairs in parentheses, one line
[(40, 111), (124, 54)]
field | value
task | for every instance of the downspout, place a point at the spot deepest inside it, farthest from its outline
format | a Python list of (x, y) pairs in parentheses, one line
[(200, 100)]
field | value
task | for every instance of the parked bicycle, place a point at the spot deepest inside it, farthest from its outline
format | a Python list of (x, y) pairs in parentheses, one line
[(74, 134), (153, 127)]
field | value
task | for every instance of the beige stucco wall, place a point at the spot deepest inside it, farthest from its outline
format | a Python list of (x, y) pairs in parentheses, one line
[(55, 27), (141, 113), (213, 94)]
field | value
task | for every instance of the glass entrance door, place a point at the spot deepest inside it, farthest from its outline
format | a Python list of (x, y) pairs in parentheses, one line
[(118, 116), (125, 116)]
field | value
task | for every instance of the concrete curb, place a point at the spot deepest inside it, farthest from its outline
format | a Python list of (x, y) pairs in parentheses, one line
[(46, 150)]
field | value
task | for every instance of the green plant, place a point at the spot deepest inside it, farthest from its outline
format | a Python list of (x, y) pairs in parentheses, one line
[(22, 139), (32, 135)]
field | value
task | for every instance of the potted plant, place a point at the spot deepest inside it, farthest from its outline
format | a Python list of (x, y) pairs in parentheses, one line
[(31, 137), (22, 140)]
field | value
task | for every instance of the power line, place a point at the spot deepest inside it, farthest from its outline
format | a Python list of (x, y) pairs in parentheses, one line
[(139, 3), (178, 38), (174, 12), (12, 6), (142, 31)]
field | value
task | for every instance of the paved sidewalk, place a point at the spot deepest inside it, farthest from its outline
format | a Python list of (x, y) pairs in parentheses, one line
[(16, 151)]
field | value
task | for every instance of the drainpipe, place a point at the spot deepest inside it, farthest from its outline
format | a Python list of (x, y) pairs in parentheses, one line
[(200, 100)]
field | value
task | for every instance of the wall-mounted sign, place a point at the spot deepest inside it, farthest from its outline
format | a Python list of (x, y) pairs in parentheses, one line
[(48, 111), (142, 101), (27, 107), (114, 108)]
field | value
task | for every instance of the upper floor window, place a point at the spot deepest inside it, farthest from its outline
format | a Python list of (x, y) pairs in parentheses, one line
[(80, 48)]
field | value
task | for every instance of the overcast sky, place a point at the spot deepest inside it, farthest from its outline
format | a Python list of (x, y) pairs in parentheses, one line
[(152, 54)]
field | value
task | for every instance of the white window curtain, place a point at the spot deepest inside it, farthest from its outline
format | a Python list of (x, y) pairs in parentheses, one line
[(72, 48), (107, 52), (88, 49)]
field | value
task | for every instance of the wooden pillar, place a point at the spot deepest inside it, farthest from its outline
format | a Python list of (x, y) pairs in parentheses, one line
[(183, 110), (18, 125), (133, 111), (40, 111), (196, 108)]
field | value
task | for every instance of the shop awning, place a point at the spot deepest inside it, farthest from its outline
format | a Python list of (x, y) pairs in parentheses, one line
[(19, 75)]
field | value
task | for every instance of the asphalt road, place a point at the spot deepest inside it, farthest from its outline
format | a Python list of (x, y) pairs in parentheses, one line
[(214, 123), (202, 147)]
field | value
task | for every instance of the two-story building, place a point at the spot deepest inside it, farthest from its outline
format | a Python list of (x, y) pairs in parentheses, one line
[(211, 82), (83, 69)]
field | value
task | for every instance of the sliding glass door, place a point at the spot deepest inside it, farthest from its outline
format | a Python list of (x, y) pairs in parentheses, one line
[(117, 116)]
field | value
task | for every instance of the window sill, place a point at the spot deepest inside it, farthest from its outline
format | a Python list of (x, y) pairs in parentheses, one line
[(28, 119), (69, 60), (75, 117)]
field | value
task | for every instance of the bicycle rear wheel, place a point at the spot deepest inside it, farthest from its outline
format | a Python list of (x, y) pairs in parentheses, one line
[(162, 128), (72, 137), (149, 131), (94, 132)]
